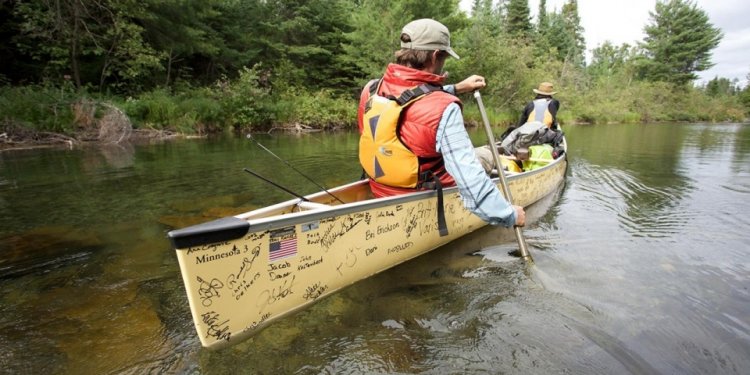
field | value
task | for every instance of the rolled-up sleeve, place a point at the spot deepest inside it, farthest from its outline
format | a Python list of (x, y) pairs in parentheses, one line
[(478, 193)]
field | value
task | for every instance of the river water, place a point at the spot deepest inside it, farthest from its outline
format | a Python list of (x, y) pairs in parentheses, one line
[(642, 264)]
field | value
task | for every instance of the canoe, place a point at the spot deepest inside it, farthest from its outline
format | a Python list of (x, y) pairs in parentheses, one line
[(242, 273)]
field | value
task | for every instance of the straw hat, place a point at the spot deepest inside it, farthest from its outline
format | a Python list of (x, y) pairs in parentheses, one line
[(545, 88)]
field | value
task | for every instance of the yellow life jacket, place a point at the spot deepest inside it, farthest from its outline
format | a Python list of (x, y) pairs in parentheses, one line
[(541, 112), (382, 155)]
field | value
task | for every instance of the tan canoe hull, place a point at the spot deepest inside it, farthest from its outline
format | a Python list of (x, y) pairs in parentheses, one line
[(284, 257)]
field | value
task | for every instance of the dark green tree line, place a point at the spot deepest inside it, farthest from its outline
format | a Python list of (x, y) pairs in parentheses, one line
[(249, 62)]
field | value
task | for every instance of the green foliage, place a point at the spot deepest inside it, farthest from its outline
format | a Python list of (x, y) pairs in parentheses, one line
[(678, 42), (321, 109), (608, 60), (542, 41), (648, 102), (721, 87), (565, 34), (376, 28), (239, 104), (517, 24), (92, 41), (243, 99), (182, 63), (39, 108), (744, 95)]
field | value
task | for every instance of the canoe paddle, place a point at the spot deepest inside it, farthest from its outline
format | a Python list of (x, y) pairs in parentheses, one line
[(506, 191)]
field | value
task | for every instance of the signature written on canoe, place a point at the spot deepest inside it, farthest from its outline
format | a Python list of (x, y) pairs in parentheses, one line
[(338, 229), (216, 327), (273, 295)]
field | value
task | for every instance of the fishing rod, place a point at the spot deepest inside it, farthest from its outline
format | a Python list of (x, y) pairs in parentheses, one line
[(250, 137), (276, 185)]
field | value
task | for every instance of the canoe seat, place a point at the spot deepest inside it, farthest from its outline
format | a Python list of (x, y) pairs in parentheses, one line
[(308, 206)]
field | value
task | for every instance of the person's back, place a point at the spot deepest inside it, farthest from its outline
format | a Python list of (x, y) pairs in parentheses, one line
[(431, 129), (543, 108), (417, 128)]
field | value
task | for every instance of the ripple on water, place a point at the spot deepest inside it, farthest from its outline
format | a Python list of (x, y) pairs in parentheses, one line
[(642, 210)]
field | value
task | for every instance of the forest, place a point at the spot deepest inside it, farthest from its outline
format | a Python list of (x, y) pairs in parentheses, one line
[(199, 67)]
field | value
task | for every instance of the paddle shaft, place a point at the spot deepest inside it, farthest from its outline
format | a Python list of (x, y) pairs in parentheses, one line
[(504, 184)]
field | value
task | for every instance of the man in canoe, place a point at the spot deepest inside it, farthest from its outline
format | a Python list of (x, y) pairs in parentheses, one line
[(412, 129), (543, 108)]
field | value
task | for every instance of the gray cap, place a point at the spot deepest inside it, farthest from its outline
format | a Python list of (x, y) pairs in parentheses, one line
[(428, 34)]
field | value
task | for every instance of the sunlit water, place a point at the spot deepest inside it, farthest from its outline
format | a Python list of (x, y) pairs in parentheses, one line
[(642, 264)]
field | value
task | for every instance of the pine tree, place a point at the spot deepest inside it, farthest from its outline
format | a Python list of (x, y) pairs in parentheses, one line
[(542, 42), (576, 44), (517, 24), (542, 21), (678, 42), (563, 32)]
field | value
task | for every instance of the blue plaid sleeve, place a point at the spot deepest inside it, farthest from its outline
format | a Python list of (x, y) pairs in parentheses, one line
[(478, 193)]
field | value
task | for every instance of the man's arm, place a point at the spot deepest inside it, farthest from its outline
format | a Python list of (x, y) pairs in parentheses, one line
[(478, 193), (554, 107), (472, 83)]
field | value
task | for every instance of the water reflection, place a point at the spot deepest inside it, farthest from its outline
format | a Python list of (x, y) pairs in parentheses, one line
[(109, 156)]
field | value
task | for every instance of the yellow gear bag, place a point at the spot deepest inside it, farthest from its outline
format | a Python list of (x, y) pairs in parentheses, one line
[(541, 156)]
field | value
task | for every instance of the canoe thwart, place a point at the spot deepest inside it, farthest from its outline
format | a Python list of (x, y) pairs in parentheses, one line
[(220, 230)]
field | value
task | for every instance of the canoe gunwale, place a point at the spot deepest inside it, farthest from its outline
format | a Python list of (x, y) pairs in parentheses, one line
[(233, 227)]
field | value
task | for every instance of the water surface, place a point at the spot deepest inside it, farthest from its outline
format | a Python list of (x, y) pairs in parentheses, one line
[(641, 265)]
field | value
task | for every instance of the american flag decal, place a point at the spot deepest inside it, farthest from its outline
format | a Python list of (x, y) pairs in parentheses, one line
[(283, 244)]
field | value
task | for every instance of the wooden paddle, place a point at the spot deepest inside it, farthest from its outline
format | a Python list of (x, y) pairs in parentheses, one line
[(524, 250)]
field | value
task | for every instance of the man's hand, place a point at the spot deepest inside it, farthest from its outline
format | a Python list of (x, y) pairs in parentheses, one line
[(520, 216), (472, 83)]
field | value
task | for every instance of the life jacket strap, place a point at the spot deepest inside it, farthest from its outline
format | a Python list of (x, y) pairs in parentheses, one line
[(407, 95), (432, 182)]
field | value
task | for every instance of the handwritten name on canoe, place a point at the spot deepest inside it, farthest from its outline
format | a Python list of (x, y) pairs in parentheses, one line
[(216, 326), (308, 261), (208, 290), (240, 286), (279, 270), (208, 247), (350, 261), (262, 319), (400, 247), (314, 291), (338, 229), (273, 295), (381, 229), (238, 282)]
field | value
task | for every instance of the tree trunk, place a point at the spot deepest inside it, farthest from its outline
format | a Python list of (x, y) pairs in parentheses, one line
[(76, 70)]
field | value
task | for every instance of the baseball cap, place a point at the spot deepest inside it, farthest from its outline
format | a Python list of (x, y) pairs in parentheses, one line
[(428, 34)]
